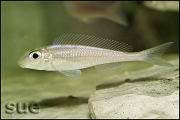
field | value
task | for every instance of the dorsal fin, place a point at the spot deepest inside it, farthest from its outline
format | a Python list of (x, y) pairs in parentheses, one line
[(86, 40)]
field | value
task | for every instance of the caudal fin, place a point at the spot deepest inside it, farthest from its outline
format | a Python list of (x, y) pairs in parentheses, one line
[(153, 55), (116, 13)]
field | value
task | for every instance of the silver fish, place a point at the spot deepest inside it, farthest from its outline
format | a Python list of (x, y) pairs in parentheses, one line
[(72, 52)]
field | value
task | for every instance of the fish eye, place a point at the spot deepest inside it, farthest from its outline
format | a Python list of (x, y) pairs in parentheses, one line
[(34, 55)]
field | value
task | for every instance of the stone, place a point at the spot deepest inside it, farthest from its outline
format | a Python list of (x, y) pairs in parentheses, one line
[(150, 93)]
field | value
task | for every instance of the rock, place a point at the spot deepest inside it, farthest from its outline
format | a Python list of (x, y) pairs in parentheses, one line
[(151, 93)]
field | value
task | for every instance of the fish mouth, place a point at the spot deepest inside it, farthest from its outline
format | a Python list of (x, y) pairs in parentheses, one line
[(20, 63)]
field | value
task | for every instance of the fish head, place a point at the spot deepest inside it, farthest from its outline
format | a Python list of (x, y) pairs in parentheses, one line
[(33, 59)]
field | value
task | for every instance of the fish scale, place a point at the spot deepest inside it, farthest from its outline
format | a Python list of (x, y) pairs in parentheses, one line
[(90, 56), (67, 57)]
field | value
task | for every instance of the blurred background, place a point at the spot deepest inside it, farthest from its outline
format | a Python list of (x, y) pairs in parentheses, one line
[(28, 25)]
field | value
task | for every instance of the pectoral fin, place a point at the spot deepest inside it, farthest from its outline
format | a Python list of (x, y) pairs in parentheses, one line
[(71, 73), (109, 66)]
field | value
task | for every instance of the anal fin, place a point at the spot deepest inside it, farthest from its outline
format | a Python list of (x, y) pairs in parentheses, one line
[(109, 66), (71, 73)]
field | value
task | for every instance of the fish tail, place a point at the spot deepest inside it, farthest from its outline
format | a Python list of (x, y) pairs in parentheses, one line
[(153, 55), (116, 13)]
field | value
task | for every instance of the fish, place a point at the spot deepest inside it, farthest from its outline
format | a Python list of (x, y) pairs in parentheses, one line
[(163, 5), (91, 11), (70, 53)]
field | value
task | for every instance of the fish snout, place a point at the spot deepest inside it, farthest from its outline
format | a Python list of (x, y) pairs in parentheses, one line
[(21, 63)]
